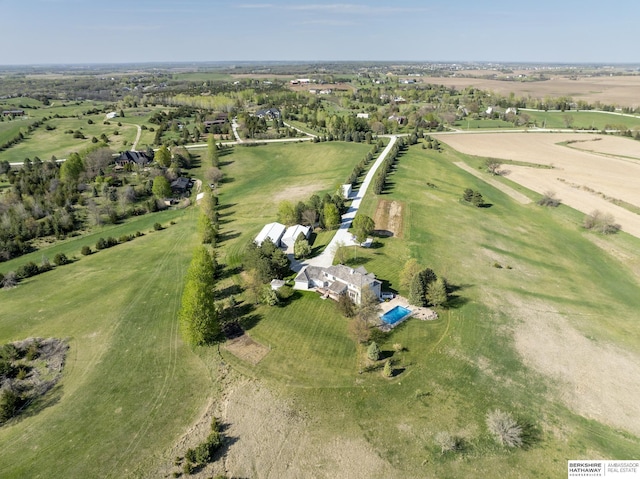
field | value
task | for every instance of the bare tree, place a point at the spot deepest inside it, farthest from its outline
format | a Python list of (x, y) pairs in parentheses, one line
[(602, 222), (214, 175), (549, 199), (309, 217), (493, 166)]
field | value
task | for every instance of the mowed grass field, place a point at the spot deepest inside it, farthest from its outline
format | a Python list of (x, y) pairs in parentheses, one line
[(130, 387), (257, 179), (473, 359)]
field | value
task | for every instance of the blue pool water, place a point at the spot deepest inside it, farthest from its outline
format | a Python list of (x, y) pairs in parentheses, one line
[(395, 315)]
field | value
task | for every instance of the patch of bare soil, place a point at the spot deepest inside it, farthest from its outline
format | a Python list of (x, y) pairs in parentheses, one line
[(388, 218), (596, 380), (270, 437), (275, 438), (296, 193), (246, 349)]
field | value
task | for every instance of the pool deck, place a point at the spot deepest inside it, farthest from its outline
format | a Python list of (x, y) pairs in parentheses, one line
[(416, 312)]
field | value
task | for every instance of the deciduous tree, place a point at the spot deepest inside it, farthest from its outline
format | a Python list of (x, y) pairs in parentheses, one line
[(162, 156), (161, 187), (198, 315), (362, 227)]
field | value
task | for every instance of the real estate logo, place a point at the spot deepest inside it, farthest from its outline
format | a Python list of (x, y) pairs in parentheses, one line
[(613, 469)]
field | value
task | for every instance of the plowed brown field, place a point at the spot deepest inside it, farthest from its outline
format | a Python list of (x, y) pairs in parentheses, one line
[(579, 178)]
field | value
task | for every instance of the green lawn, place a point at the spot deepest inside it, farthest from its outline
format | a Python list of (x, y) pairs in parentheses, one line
[(258, 178), (130, 386)]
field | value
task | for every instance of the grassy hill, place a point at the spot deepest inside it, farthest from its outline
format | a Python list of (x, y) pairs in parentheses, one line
[(130, 386), (475, 357)]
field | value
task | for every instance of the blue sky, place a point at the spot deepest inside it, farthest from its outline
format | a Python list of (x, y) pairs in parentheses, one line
[(120, 31)]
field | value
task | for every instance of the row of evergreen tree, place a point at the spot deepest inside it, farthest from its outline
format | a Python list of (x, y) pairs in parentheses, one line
[(385, 167)]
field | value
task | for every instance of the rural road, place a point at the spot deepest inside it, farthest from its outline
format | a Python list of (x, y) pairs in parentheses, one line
[(342, 236)]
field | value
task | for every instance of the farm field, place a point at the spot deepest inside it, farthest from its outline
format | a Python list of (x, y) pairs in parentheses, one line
[(615, 90), (577, 177)]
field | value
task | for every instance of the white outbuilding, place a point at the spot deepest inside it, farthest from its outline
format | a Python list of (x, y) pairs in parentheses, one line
[(273, 231), (292, 233)]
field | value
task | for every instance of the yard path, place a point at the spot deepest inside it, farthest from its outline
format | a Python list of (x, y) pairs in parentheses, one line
[(342, 236), (135, 143)]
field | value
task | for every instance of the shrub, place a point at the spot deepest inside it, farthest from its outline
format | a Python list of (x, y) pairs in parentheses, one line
[(33, 351), (504, 428), (60, 259), (27, 270), (10, 402), (373, 351), (157, 226), (190, 455), (101, 244), (188, 468), (9, 352), (447, 442), (86, 250), (387, 371), (549, 199), (601, 222)]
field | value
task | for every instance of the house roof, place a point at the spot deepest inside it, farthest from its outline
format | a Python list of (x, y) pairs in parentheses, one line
[(274, 231), (292, 233), (357, 277), (181, 184), (137, 157), (269, 112)]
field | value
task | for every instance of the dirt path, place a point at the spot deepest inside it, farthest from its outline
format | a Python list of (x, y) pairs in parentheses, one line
[(135, 143), (496, 184)]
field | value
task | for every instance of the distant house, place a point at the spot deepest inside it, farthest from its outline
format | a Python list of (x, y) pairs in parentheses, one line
[(268, 113), (363, 115), (273, 231), (291, 234), (111, 115), (401, 120), (13, 113), (511, 109), (181, 185), (399, 100), (219, 119), (139, 158), (338, 280)]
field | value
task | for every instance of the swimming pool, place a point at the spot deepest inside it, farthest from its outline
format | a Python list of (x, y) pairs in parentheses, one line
[(395, 315)]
